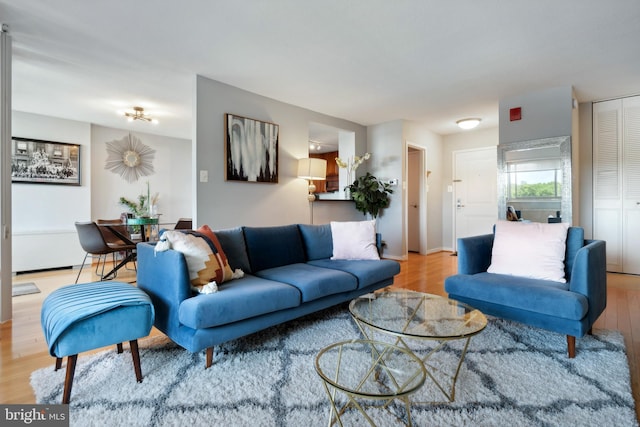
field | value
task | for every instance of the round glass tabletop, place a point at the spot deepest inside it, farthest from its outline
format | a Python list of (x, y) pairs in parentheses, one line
[(418, 315), (370, 369)]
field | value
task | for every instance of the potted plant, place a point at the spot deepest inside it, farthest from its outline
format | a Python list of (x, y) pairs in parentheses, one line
[(139, 209), (371, 195), (145, 205)]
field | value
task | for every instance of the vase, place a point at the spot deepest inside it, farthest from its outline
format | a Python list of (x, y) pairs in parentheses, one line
[(347, 193)]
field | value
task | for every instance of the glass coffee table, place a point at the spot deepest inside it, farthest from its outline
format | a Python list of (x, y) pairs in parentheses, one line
[(409, 315), (363, 369)]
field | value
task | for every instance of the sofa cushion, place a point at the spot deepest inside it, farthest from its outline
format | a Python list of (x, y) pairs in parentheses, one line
[(535, 295), (313, 282), (354, 240), (368, 272), (241, 299), (575, 242), (534, 250), (232, 241), (317, 241), (270, 247)]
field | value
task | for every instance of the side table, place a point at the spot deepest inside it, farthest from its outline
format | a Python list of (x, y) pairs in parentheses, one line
[(364, 369), (409, 315)]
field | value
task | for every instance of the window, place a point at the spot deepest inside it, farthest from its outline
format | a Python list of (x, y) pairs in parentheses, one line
[(535, 179)]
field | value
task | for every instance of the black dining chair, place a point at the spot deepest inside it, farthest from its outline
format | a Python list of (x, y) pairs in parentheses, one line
[(93, 243), (116, 233)]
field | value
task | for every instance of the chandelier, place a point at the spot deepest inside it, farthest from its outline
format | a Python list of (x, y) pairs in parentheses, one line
[(138, 114)]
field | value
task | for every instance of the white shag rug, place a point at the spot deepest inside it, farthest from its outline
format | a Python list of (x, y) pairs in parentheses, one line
[(512, 375)]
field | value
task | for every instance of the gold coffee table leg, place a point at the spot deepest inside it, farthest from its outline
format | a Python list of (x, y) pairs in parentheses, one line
[(368, 370)]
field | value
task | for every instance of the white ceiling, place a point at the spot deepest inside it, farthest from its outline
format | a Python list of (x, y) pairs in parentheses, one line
[(368, 61)]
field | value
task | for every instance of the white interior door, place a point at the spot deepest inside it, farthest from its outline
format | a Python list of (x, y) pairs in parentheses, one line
[(475, 196), (607, 180)]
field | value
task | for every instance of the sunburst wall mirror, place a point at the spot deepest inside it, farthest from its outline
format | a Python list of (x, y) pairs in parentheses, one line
[(129, 158)]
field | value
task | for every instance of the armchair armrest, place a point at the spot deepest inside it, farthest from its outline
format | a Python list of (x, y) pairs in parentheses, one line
[(164, 276), (474, 254), (589, 276)]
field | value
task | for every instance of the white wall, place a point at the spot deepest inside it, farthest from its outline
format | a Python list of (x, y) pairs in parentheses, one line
[(385, 142), (172, 178), (469, 140), (585, 182), (43, 216), (223, 204), (44, 235), (545, 114)]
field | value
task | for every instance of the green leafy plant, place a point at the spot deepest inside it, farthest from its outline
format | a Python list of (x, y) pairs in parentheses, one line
[(139, 209), (370, 194)]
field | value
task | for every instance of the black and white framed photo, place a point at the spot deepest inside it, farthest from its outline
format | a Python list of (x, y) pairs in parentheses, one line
[(251, 150), (35, 161)]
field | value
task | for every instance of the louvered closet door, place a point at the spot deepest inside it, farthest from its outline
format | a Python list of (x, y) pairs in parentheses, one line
[(607, 177), (616, 186), (631, 185)]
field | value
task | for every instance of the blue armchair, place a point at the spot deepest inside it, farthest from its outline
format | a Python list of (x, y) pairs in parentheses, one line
[(568, 308)]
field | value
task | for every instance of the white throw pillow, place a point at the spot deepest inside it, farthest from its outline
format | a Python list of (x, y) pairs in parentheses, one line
[(530, 249), (354, 240)]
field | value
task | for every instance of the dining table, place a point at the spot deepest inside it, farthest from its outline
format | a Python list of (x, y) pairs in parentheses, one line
[(146, 225), (115, 228)]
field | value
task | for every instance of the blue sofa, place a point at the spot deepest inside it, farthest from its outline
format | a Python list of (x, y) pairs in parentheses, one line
[(288, 274), (568, 308)]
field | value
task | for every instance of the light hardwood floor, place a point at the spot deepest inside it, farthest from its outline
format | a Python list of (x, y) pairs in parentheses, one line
[(24, 350)]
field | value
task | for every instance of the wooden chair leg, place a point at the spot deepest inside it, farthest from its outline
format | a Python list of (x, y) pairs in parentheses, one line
[(119, 347), (135, 354), (58, 363), (68, 380), (571, 346), (209, 358)]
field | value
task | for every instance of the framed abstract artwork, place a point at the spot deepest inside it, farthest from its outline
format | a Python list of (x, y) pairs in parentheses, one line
[(251, 150), (35, 161)]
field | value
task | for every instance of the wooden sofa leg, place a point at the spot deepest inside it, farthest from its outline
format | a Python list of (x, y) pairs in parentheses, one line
[(68, 380), (209, 358), (119, 348), (571, 346), (58, 363), (135, 355)]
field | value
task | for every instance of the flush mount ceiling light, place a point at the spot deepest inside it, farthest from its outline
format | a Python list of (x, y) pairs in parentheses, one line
[(315, 145), (468, 123), (138, 114)]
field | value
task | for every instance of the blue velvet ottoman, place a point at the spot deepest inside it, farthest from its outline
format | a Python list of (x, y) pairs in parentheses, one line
[(88, 316)]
